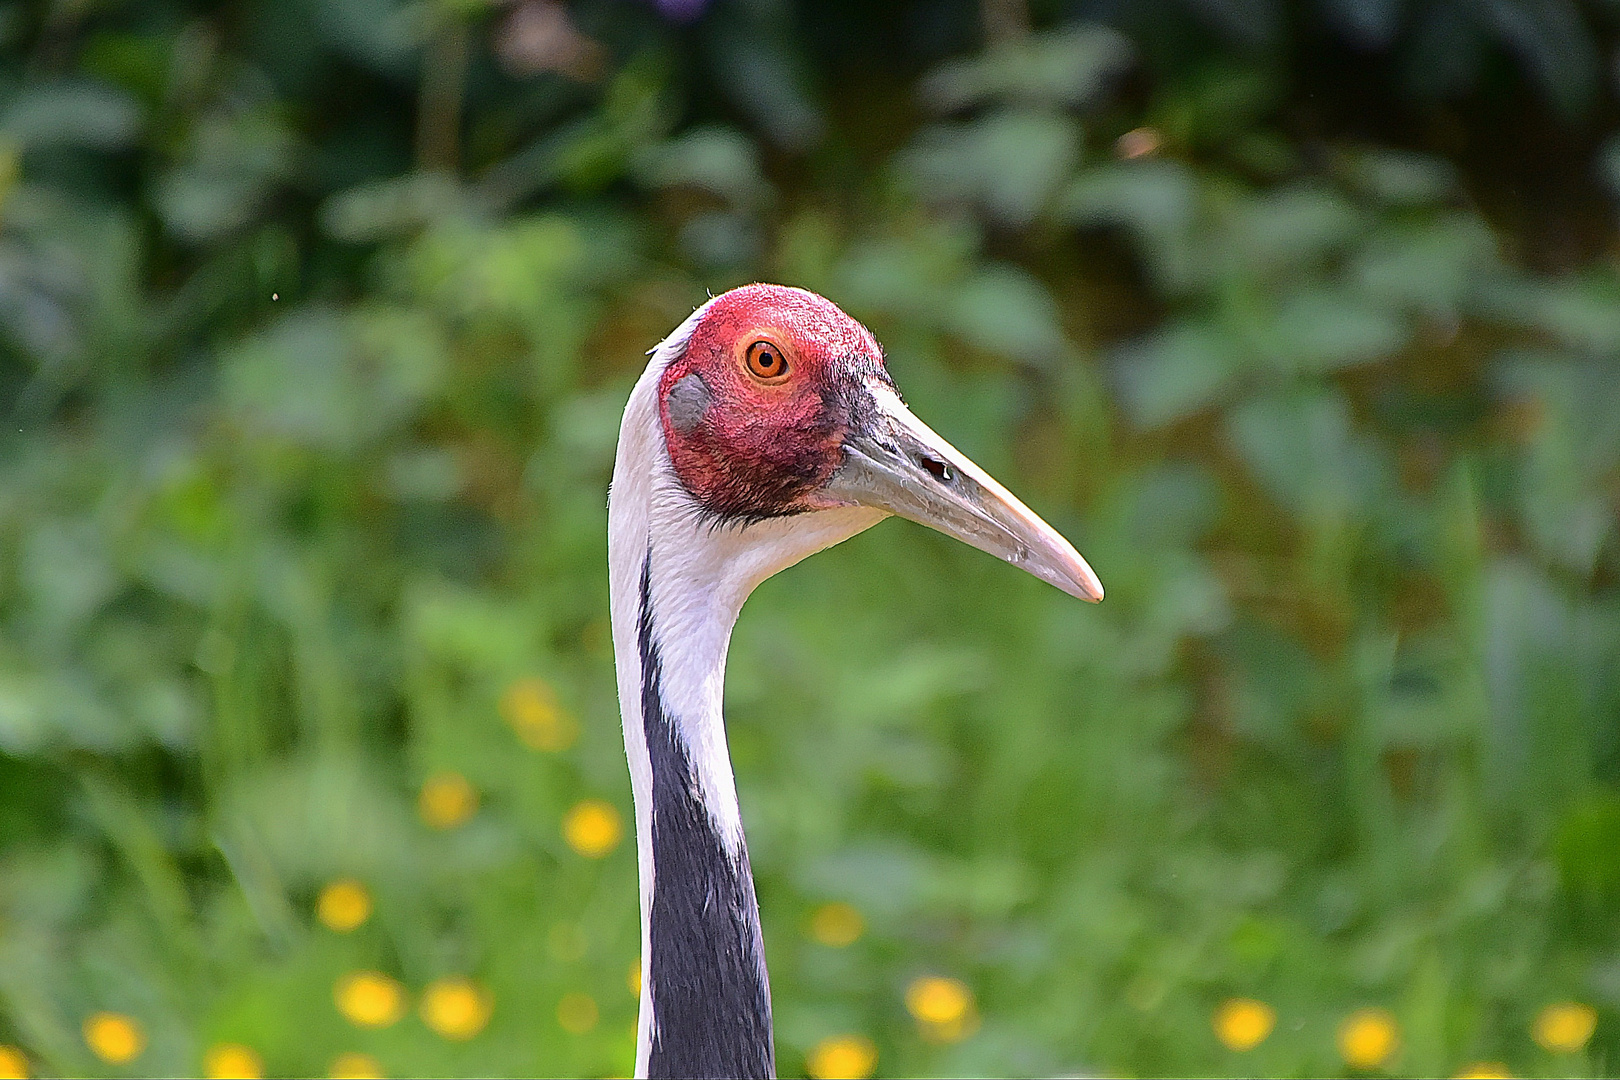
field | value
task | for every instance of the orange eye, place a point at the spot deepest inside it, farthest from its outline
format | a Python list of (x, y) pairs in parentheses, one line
[(765, 361)]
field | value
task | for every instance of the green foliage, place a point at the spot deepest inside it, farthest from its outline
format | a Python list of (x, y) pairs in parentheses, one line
[(316, 320)]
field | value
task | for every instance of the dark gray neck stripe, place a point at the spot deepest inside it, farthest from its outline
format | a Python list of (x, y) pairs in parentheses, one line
[(710, 999)]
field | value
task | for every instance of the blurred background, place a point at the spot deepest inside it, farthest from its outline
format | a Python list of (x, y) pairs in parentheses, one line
[(1302, 319)]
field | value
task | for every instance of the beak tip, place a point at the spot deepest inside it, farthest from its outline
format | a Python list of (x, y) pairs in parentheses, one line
[(1081, 584), (1088, 586)]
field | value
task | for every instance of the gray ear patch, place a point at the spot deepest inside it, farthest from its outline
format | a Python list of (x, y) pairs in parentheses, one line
[(688, 400)]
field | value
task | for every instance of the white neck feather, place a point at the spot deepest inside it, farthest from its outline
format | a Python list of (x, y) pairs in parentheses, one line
[(700, 574)]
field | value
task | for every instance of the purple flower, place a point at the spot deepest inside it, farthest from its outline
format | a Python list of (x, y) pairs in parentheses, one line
[(680, 10)]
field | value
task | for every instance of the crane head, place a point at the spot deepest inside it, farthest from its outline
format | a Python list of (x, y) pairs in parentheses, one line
[(779, 405)]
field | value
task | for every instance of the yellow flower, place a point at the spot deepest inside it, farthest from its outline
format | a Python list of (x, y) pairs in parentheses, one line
[(530, 706), (943, 1008), (633, 978), (1243, 1024), (837, 925), (356, 1067), (577, 1013), (1565, 1026), (447, 800), (456, 1008), (1368, 1038), (226, 1061), (369, 999), (114, 1038), (843, 1057), (344, 905), (1485, 1070), (937, 1000), (592, 828), (13, 1063)]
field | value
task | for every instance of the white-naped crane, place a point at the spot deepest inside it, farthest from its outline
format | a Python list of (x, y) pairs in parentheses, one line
[(764, 429)]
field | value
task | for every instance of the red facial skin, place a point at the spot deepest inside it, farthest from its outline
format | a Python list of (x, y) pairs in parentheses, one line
[(763, 449)]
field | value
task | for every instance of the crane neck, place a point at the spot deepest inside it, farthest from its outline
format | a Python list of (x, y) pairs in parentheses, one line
[(677, 581), (708, 994)]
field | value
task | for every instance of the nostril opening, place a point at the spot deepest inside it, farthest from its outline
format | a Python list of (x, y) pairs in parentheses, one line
[(938, 469)]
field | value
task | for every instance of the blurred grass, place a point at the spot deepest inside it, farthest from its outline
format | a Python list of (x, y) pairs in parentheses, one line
[(316, 320)]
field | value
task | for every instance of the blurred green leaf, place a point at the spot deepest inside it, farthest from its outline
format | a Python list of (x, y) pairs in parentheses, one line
[(231, 167), (67, 574), (1398, 178), (1004, 309), (1322, 330), (1011, 161), (1287, 230), (90, 115), (1434, 269), (1306, 453), (384, 209), (383, 34), (911, 276), (1279, 683), (1157, 201), (1177, 372), (470, 631), (315, 820), (1572, 454), (1371, 23), (1583, 315), (1588, 849), (1530, 636), (1175, 504), (1550, 41), (331, 381), (765, 77), (1608, 165), (720, 161), (720, 239), (1061, 67)]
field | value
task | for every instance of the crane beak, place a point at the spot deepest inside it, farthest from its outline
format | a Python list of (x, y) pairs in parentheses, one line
[(901, 465)]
